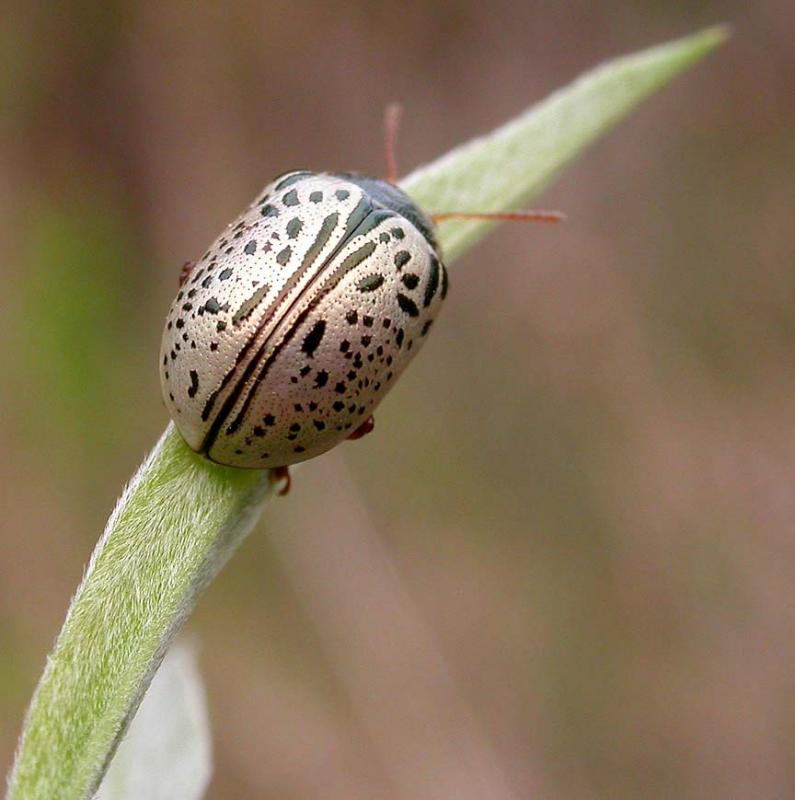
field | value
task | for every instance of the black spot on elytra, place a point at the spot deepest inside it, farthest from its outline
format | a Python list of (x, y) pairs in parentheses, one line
[(291, 198), (316, 197), (344, 346), (351, 374), (313, 406), (314, 337), (207, 281), (402, 258), (433, 282), (305, 370), (398, 233), (284, 255), (338, 405), (180, 323), (250, 304), (221, 326), (426, 327), (321, 379), (295, 427), (212, 306), (294, 227), (370, 283), (383, 238), (194, 383), (298, 449), (342, 194), (213, 346), (410, 280), (352, 317), (259, 431), (366, 341), (289, 178), (367, 321), (269, 420), (444, 282), (340, 388), (407, 305), (319, 424), (250, 248), (225, 274), (399, 338), (298, 407)]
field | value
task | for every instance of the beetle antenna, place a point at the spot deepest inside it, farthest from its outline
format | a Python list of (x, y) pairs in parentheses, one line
[(508, 216), (392, 115)]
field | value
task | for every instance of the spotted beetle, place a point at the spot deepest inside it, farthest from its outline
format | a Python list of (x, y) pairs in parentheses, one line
[(296, 322)]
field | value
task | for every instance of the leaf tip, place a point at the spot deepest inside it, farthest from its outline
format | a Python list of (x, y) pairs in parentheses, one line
[(714, 36)]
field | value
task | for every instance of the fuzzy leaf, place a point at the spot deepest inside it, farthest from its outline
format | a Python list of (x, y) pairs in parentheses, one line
[(508, 167), (174, 527)]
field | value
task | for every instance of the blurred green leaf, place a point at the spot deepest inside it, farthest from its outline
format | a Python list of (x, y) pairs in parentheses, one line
[(74, 311), (166, 752)]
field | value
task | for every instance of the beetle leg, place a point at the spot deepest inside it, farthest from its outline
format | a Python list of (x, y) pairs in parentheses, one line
[(279, 474), (366, 427), (185, 272)]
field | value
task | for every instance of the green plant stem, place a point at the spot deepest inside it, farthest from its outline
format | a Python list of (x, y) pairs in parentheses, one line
[(182, 517)]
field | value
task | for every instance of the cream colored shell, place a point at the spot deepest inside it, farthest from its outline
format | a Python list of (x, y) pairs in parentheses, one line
[(298, 319)]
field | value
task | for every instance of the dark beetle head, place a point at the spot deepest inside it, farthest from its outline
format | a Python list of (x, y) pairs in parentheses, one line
[(390, 196)]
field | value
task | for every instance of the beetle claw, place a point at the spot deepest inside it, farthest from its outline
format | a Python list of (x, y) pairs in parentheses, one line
[(279, 475), (185, 271), (368, 426)]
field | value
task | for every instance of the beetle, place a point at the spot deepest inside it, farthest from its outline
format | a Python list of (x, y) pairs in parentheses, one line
[(292, 327)]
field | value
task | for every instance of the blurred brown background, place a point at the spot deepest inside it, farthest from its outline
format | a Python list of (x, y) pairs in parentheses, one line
[(563, 567)]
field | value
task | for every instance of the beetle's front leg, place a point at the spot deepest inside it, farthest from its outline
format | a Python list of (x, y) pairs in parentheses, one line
[(185, 272), (279, 474)]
